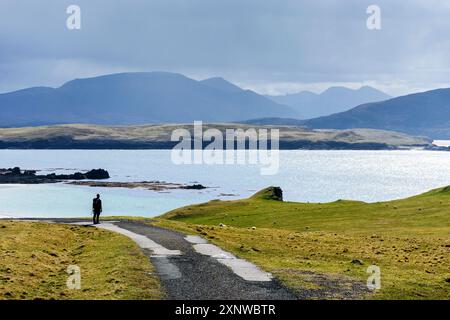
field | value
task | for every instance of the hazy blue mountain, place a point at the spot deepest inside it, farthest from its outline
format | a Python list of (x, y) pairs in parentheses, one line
[(426, 114), (275, 122), (221, 84), (136, 98), (332, 100)]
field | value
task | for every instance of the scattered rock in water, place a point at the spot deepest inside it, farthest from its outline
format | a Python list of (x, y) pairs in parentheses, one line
[(228, 195), (97, 174), (194, 187), (150, 185)]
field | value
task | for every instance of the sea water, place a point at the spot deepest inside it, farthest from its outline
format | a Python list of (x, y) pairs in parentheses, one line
[(306, 176)]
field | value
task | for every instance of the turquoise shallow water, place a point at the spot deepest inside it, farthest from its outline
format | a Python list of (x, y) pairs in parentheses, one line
[(314, 176)]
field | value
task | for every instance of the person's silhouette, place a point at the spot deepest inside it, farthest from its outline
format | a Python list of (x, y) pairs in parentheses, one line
[(97, 209)]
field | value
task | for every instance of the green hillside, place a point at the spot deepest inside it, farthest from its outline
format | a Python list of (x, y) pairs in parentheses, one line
[(408, 239)]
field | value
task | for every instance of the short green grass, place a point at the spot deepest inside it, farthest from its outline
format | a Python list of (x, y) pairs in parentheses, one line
[(34, 258), (408, 239)]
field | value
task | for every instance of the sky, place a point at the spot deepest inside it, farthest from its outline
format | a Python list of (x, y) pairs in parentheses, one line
[(270, 46)]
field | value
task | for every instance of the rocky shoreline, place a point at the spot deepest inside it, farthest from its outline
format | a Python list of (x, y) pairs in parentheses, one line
[(18, 176), (149, 185)]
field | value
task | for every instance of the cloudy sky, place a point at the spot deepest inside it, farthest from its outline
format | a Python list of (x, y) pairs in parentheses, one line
[(270, 46)]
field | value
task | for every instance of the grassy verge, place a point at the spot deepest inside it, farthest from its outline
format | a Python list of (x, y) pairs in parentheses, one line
[(34, 258), (310, 246)]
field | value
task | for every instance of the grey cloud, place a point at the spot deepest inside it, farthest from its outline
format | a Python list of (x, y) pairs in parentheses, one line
[(253, 42)]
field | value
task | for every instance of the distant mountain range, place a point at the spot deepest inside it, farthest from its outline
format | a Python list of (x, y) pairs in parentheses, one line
[(426, 114), (136, 98), (162, 97), (333, 100), (421, 114)]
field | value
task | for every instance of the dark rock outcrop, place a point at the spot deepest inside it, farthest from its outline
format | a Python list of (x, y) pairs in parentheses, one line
[(97, 174), (17, 176), (271, 193), (194, 187)]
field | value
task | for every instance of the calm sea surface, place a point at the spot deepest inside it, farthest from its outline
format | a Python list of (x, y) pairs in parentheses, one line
[(314, 176)]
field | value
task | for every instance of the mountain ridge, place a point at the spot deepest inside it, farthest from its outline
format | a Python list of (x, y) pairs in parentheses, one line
[(134, 98), (424, 113), (332, 100)]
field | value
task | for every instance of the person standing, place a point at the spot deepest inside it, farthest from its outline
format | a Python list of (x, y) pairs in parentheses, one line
[(97, 209)]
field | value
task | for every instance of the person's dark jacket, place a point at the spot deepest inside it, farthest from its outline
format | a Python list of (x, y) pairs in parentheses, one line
[(97, 205)]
